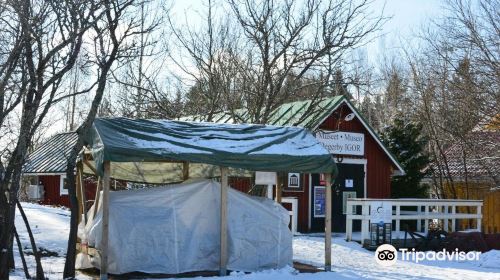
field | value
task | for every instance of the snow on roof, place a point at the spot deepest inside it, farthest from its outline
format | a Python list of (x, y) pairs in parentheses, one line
[(244, 146), (482, 153)]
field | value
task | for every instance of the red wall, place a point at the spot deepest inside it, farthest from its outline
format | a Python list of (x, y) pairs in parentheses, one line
[(379, 166), (241, 184), (52, 190), (302, 201), (51, 187)]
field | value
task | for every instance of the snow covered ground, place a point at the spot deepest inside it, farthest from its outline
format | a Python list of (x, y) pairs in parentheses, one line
[(51, 225)]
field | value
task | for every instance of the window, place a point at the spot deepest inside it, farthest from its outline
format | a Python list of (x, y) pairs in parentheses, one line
[(345, 196), (63, 186)]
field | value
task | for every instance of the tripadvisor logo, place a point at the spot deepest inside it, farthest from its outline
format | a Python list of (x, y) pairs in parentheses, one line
[(387, 255)]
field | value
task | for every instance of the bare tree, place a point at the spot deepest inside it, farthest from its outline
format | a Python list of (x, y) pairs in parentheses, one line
[(292, 41), (207, 57), (48, 36), (259, 55), (114, 38), (473, 32), (139, 78)]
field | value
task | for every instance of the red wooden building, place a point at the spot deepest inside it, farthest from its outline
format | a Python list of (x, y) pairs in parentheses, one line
[(45, 167), (365, 168)]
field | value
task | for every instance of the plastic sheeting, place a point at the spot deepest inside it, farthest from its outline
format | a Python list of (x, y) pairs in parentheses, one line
[(164, 173), (176, 229)]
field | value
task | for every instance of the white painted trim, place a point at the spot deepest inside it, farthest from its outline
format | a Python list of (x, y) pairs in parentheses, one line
[(269, 190), (401, 170), (62, 191), (295, 211), (363, 161)]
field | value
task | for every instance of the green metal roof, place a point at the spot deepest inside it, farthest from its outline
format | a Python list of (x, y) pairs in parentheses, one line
[(289, 114), (52, 155)]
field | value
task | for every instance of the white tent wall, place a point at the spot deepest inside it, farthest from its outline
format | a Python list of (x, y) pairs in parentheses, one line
[(176, 229)]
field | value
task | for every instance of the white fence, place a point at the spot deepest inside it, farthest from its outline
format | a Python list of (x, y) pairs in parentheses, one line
[(422, 210)]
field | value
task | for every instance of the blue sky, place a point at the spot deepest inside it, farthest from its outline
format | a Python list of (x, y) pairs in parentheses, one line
[(407, 17)]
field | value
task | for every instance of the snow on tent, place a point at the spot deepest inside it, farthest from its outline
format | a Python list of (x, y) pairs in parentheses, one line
[(196, 225)]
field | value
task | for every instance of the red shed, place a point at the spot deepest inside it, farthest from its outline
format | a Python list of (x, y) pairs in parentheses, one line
[(365, 167), (45, 169)]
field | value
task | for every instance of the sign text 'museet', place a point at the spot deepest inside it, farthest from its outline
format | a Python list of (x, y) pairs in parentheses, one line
[(342, 143)]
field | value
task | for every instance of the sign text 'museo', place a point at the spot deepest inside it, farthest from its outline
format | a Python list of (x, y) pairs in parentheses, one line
[(342, 143)]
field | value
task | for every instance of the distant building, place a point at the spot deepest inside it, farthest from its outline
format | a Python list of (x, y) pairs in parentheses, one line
[(474, 169), (46, 167)]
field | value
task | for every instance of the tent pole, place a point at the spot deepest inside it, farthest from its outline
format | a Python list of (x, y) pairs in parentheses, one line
[(185, 170), (278, 188), (90, 167), (328, 223), (223, 221), (98, 189), (105, 221)]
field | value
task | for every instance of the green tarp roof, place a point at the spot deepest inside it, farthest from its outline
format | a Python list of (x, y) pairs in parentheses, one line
[(138, 149)]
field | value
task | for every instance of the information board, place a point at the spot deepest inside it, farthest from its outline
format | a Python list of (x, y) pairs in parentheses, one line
[(319, 201)]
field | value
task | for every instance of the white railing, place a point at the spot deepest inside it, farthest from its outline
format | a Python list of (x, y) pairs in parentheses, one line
[(444, 210), (293, 214)]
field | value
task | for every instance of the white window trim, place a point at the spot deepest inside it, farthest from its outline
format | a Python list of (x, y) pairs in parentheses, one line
[(62, 191)]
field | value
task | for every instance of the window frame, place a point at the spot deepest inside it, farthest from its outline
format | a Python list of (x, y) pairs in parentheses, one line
[(62, 190)]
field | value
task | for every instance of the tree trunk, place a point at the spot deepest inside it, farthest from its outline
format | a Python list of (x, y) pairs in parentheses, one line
[(39, 268), (69, 266), (12, 263), (21, 253), (7, 216)]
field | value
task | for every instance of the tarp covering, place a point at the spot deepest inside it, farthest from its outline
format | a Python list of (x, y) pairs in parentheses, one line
[(176, 229), (243, 146)]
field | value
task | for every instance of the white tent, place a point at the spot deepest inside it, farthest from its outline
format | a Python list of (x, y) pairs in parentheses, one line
[(175, 229), (165, 151)]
